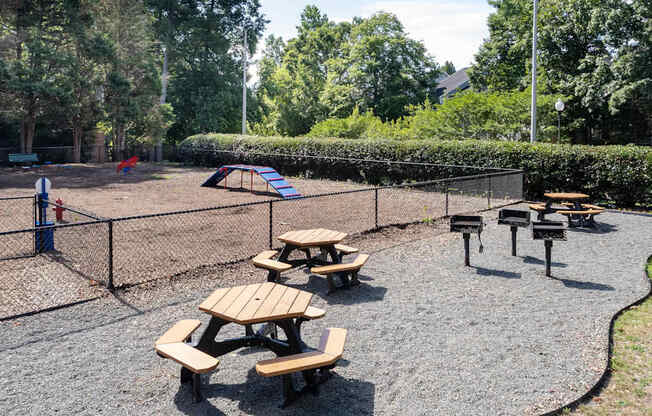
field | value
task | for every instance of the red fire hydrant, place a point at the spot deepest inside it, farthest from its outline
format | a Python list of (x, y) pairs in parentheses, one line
[(58, 210)]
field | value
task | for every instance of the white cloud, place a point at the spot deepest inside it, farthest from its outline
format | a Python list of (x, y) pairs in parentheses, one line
[(450, 30)]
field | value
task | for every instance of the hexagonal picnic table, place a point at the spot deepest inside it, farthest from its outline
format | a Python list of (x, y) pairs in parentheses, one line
[(304, 240)]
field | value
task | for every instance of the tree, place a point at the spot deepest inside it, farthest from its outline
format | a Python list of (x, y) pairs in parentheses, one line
[(592, 51), (132, 80), (206, 80), (33, 75), (448, 68), (329, 69)]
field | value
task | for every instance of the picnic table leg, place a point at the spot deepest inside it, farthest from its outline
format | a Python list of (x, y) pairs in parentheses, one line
[(285, 253), (335, 257), (296, 346)]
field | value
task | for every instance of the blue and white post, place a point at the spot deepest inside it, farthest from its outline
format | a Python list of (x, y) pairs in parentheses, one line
[(44, 238)]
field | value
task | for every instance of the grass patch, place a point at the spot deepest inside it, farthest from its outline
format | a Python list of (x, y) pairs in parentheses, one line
[(629, 388)]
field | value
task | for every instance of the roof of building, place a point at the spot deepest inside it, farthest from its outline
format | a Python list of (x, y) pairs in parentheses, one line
[(457, 81)]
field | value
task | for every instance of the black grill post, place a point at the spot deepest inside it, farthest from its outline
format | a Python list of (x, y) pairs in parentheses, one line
[(467, 224), (35, 214), (109, 284), (548, 231), (548, 244), (514, 218), (271, 222)]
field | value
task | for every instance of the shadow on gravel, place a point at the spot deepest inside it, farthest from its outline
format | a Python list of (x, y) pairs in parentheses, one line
[(263, 396), (601, 228), (534, 260), (362, 293), (576, 284), (498, 273)]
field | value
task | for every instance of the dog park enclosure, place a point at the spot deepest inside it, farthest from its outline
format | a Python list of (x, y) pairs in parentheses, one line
[(124, 250)]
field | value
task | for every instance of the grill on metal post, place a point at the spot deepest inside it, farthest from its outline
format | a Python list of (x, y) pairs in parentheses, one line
[(514, 218), (467, 224), (548, 231)]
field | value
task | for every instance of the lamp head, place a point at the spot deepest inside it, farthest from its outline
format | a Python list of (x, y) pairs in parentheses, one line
[(559, 105)]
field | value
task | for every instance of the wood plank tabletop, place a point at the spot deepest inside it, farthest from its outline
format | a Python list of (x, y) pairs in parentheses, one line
[(256, 303), (312, 238), (565, 196)]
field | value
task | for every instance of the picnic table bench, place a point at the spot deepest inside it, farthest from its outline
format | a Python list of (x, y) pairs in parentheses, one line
[(22, 157)]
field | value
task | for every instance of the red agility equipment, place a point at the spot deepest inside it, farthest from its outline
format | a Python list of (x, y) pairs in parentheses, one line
[(129, 163)]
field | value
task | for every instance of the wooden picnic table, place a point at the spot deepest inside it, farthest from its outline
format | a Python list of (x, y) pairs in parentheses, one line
[(271, 303), (578, 213), (304, 240)]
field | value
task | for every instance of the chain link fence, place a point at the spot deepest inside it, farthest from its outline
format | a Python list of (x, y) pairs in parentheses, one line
[(120, 252)]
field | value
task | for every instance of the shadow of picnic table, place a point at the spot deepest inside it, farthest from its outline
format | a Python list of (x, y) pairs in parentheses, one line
[(263, 396)]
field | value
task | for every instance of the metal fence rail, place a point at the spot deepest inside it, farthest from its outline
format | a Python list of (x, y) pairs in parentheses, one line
[(131, 250)]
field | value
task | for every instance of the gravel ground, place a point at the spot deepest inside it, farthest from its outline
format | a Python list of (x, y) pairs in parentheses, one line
[(426, 335)]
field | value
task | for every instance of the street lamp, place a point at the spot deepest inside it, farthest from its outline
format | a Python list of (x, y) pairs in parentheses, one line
[(559, 106), (533, 109)]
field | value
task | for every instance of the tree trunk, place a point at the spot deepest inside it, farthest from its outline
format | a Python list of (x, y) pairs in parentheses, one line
[(158, 147), (77, 133), (27, 128)]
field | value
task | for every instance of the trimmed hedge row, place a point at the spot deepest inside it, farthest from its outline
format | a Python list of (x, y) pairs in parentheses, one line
[(622, 174)]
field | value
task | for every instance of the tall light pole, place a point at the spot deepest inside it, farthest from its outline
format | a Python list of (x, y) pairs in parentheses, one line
[(559, 106), (244, 84), (533, 118)]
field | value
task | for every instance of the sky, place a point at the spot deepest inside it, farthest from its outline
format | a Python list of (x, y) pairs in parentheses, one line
[(451, 30)]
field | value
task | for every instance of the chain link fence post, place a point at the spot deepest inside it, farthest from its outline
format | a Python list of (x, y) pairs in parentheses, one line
[(271, 222), (446, 205), (489, 192), (109, 284), (376, 207)]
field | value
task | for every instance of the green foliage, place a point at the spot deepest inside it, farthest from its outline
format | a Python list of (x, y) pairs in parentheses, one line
[(353, 127), (329, 69), (594, 52), (469, 115), (619, 173)]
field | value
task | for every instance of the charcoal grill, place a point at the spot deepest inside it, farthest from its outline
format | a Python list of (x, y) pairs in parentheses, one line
[(548, 231), (514, 218), (467, 224)]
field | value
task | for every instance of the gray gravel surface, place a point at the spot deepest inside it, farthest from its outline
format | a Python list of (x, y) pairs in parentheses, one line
[(426, 335)]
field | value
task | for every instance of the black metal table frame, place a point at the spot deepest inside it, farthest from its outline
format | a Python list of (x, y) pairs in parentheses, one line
[(309, 260), (292, 345)]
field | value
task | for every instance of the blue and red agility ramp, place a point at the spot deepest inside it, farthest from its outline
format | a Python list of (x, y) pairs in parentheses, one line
[(269, 175)]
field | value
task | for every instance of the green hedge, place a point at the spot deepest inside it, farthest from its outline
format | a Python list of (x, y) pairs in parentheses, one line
[(622, 174)]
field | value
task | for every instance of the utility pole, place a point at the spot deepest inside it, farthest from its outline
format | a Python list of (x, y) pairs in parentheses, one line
[(244, 85), (533, 118)]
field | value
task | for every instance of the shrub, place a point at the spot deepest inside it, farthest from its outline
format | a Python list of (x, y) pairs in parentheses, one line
[(619, 173)]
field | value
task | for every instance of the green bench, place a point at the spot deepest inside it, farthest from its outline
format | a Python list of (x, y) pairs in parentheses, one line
[(23, 157)]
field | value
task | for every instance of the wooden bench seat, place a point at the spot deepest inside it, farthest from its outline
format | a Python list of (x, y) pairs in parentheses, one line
[(586, 206), (344, 250), (314, 313), (173, 345), (331, 347), (343, 269), (537, 207), (180, 332), (274, 267), (584, 212)]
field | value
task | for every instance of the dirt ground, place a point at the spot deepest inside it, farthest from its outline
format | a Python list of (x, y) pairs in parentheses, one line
[(184, 245), (148, 188)]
